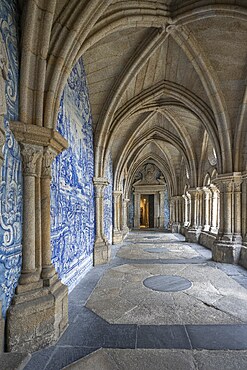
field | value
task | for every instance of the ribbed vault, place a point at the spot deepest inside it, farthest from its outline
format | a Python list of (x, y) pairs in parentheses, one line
[(168, 72)]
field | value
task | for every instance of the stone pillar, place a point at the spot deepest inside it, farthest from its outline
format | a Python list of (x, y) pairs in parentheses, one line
[(172, 213), (243, 255), (102, 249), (162, 209), (125, 216), (176, 214), (207, 208), (185, 211), (117, 233), (137, 210), (38, 314), (38, 241), (48, 270), (227, 246), (214, 209), (193, 232), (156, 210), (30, 155), (200, 209), (244, 209)]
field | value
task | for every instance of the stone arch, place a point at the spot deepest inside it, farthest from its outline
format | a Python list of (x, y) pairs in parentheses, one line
[(207, 180), (140, 141), (137, 104), (170, 178)]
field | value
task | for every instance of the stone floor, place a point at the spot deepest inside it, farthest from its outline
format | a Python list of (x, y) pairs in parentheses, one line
[(120, 318)]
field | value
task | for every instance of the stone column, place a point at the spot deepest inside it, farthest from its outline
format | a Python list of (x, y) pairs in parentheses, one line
[(102, 249), (38, 314), (125, 216), (156, 210), (193, 232), (207, 210), (162, 209), (38, 228), (137, 210), (30, 155), (200, 208), (117, 233), (243, 255), (48, 270), (172, 213), (244, 209), (227, 246), (185, 211), (214, 209), (176, 214)]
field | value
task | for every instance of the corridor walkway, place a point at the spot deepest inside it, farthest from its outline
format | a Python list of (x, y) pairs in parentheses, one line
[(160, 304)]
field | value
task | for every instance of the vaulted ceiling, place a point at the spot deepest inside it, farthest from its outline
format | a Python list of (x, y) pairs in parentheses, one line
[(166, 79)]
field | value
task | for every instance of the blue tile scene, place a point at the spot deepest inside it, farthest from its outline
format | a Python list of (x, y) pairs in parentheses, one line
[(108, 206), (11, 186), (123, 185), (72, 193), (167, 210)]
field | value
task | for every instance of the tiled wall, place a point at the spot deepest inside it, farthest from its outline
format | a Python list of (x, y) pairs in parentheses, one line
[(11, 186), (167, 210), (72, 193), (108, 200)]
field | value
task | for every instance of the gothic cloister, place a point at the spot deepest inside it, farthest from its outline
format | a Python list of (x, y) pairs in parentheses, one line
[(123, 157)]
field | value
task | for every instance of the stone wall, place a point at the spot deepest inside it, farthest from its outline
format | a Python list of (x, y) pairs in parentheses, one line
[(72, 193), (11, 185), (108, 207)]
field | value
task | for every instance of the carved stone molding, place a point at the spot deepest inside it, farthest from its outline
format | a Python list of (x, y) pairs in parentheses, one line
[(41, 136), (30, 155), (100, 183), (48, 157)]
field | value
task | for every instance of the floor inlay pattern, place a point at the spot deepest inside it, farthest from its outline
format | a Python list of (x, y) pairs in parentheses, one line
[(121, 324), (167, 283)]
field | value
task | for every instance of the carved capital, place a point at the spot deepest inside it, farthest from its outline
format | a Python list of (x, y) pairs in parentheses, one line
[(48, 157), (193, 194), (238, 184), (228, 183), (117, 195), (30, 155), (99, 183)]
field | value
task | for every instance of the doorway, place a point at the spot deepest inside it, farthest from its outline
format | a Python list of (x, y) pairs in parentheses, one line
[(147, 211)]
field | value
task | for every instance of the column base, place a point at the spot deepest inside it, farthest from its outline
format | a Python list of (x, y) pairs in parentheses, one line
[(117, 237), (226, 252), (207, 239), (243, 256), (192, 235), (125, 231), (102, 252), (175, 227), (36, 317), (49, 275)]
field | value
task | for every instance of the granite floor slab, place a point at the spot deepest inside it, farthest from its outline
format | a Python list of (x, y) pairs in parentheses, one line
[(138, 328), (112, 359)]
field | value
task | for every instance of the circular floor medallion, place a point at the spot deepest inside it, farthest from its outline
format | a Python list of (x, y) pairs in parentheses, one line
[(156, 250), (167, 283)]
